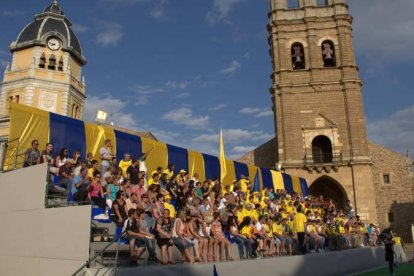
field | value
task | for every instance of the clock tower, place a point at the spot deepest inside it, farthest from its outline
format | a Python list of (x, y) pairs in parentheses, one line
[(46, 67)]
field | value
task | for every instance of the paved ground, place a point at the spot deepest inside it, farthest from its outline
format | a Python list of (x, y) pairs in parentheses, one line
[(401, 270)]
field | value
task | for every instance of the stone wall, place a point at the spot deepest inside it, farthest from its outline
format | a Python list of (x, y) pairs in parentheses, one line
[(264, 156), (395, 199)]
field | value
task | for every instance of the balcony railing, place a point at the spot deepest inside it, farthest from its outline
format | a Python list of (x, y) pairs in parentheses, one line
[(323, 158)]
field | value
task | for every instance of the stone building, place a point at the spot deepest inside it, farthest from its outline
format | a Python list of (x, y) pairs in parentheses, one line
[(319, 116)]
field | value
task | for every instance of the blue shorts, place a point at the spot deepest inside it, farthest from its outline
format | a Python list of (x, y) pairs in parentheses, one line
[(181, 245)]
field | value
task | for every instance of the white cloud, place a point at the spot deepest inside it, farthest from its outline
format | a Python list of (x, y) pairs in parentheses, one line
[(241, 150), (13, 13), (114, 107), (178, 84), (258, 112), (217, 107), (109, 33), (115, 3), (265, 113), (395, 132), (78, 28), (182, 95), (246, 55), (250, 110), (184, 116), (220, 10), (146, 89), (383, 31), (232, 68), (158, 12), (234, 135)]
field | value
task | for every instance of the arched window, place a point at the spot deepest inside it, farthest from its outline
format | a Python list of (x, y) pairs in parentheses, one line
[(42, 62), (293, 4), (52, 62), (322, 2), (60, 65), (328, 53), (298, 56), (322, 149)]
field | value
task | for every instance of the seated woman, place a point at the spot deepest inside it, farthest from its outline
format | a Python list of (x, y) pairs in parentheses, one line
[(179, 236), (96, 193), (242, 242), (196, 239), (119, 209), (246, 230), (164, 237), (218, 234)]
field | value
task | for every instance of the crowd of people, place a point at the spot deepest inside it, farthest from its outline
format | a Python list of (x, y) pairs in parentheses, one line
[(202, 218)]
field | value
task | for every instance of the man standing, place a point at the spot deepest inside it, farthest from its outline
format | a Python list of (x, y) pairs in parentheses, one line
[(32, 155), (299, 226), (106, 156), (133, 172)]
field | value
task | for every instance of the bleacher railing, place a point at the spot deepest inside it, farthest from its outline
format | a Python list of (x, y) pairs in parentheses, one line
[(12, 156)]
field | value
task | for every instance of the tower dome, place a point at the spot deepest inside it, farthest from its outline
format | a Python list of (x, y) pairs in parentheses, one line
[(52, 22)]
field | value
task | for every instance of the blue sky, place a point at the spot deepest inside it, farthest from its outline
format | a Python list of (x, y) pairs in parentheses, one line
[(183, 69)]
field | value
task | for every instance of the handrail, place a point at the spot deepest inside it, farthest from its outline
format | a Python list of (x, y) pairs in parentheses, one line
[(100, 253)]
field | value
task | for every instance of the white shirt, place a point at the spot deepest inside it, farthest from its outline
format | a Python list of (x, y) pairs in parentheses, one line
[(107, 154)]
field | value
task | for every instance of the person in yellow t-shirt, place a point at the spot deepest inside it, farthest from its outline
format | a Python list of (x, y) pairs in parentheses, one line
[(278, 231), (169, 206), (158, 170), (125, 163), (169, 171), (95, 167), (153, 180), (244, 185), (246, 230), (299, 226)]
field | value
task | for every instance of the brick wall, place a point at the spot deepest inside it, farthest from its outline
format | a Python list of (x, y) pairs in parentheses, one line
[(397, 197)]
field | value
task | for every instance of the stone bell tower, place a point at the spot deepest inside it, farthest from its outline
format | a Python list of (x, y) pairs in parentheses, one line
[(46, 67), (317, 100)]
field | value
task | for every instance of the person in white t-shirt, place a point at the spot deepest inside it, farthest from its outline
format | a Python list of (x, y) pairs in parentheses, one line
[(106, 156)]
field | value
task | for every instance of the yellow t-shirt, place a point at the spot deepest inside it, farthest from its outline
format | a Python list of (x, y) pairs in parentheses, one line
[(247, 231), (151, 181), (243, 185), (277, 229), (341, 229), (169, 174), (299, 221), (90, 172), (124, 166), (396, 240), (268, 231), (171, 208)]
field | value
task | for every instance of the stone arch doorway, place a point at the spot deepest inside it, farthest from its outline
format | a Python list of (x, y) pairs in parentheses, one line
[(329, 188), (322, 149)]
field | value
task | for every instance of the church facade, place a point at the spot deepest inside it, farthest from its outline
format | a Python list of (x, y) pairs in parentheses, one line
[(319, 116)]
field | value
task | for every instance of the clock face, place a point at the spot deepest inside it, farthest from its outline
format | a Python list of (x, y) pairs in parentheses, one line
[(53, 44)]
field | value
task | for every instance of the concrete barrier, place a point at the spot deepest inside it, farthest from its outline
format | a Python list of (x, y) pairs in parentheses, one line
[(329, 263)]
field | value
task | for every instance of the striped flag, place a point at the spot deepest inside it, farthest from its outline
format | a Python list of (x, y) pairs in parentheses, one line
[(256, 182)]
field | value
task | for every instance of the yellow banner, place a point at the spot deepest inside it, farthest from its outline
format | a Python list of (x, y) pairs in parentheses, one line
[(157, 154), (230, 174), (277, 178), (95, 139), (196, 165), (296, 184), (26, 124)]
